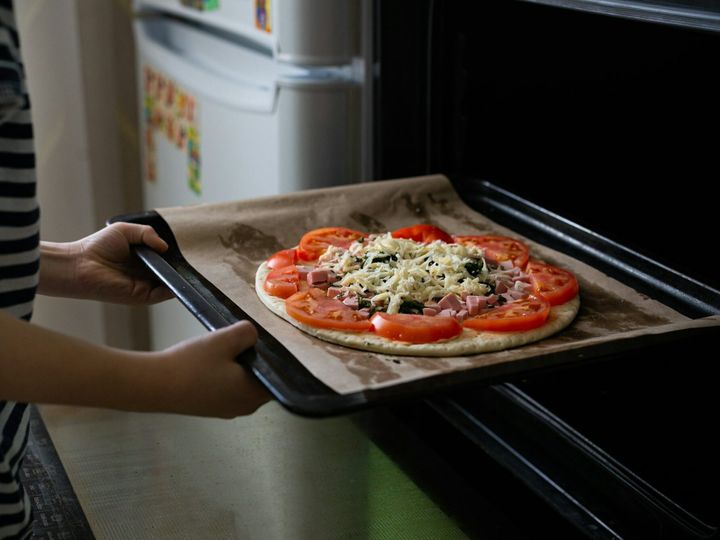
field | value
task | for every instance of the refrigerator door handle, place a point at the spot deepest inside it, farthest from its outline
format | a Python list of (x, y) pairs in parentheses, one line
[(194, 76)]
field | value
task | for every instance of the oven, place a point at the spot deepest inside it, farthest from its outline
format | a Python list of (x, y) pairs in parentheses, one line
[(590, 127)]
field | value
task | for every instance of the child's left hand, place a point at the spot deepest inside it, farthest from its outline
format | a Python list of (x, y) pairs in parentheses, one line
[(102, 267)]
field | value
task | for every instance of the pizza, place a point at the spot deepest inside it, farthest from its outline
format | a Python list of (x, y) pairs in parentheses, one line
[(417, 291)]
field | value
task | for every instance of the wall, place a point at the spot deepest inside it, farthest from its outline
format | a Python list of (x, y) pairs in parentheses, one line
[(79, 56)]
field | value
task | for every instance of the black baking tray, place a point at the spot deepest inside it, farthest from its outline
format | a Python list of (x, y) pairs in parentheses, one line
[(299, 391)]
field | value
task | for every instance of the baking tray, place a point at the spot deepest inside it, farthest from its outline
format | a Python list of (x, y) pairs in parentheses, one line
[(299, 391)]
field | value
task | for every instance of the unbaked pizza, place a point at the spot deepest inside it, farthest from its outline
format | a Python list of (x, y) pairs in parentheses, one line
[(417, 291)]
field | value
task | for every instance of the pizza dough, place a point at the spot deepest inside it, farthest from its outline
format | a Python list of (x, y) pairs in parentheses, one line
[(468, 343)]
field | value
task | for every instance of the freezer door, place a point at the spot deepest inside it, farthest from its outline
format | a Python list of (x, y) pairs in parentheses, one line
[(307, 32), (317, 32)]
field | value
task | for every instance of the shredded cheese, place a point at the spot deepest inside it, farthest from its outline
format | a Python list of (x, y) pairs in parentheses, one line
[(389, 271)]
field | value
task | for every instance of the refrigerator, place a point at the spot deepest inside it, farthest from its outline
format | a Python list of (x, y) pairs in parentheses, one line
[(248, 98), (242, 99)]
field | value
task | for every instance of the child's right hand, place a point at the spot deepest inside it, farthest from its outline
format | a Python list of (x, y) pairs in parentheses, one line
[(198, 377), (204, 379)]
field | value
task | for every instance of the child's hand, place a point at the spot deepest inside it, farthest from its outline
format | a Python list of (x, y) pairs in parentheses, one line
[(203, 378), (107, 267), (198, 377), (102, 267)]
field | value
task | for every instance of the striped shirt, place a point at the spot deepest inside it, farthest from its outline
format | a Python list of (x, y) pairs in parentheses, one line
[(19, 258)]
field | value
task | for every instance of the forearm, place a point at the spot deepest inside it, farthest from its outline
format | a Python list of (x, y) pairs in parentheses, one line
[(41, 366), (199, 376), (58, 269)]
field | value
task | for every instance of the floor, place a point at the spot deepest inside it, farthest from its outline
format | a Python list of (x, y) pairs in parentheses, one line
[(271, 475), (56, 509)]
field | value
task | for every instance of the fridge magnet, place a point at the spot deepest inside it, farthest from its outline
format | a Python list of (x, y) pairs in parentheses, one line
[(262, 16), (172, 112), (149, 161), (194, 162), (201, 5)]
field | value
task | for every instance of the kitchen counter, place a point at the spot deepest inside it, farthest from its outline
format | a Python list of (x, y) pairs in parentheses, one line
[(271, 475)]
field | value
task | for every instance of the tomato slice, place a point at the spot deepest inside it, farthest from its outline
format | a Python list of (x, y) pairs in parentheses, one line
[(498, 248), (314, 308), (282, 282), (314, 243), (283, 258), (525, 314), (555, 284), (414, 328), (423, 233)]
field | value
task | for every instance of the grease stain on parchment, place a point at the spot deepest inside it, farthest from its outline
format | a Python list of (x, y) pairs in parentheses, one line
[(429, 363), (446, 208), (368, 223), (603, 312), (451, 209), (250, 246), (414, 206), (369, 368), (571, 334), (437, 204), (372, 368)]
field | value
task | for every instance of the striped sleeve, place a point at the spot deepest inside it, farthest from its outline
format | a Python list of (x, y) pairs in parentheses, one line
[(19, 215), (19, 212), (19, 259)]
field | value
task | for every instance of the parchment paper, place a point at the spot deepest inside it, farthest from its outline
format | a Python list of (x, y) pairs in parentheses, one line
[(226, 242)]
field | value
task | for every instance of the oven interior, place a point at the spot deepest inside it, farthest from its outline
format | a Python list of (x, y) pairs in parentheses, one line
[(610, 122)]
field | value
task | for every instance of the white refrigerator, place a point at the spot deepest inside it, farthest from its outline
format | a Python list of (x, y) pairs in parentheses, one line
[(248, 98)]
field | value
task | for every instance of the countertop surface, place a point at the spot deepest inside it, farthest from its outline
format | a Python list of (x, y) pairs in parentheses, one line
[(270, 475)]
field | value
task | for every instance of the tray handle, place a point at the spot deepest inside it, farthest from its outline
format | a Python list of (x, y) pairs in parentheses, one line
[(208, 316)]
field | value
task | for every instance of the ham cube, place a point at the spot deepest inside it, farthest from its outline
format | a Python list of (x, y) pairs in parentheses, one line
[(475, 304), (334, 292), (523, 285), (517, 294), (303, 272), (430, 312), (450, 301), (316, 277), (351, 301)]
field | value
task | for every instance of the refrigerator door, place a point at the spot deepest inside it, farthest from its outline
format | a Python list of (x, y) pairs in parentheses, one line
[(308, 32), (221, 121)]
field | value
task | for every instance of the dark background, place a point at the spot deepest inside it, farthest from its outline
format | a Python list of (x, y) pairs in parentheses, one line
[(610, 122)]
